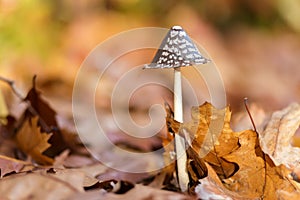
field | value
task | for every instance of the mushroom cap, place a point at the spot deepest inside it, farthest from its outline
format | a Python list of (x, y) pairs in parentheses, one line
[(177, 50)]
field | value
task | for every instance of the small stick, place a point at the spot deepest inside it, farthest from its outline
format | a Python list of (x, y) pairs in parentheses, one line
[(13, 87), (248, 111), (21, 97)]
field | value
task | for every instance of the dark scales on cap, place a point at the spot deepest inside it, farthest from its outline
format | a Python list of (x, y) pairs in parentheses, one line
[(177, 50)]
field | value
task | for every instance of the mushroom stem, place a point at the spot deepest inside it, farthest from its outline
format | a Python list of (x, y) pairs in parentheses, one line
[(182, 174)]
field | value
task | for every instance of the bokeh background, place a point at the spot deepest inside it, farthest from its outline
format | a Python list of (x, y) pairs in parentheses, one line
[(255, 44)]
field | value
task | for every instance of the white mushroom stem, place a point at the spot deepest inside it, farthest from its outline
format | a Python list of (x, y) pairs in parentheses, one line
[(183, 178)]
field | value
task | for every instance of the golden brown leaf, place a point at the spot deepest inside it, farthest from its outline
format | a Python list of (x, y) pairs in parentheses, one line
[(246, 172), (32, 142), (249, 180), (210, 135), (209, 129), (278, 181), (211, 187), (257, 176)]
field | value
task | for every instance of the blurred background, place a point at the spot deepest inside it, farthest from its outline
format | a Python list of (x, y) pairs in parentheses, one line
[(255, 44)]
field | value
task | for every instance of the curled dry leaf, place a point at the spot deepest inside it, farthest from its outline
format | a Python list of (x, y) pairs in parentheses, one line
[(276, 139), (32, 142)]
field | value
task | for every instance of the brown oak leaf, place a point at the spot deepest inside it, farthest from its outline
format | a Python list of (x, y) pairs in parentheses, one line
[(249, 180), (210, 135), (238, 168)]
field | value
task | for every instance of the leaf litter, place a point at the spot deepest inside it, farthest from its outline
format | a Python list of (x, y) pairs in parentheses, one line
[(222, 164)]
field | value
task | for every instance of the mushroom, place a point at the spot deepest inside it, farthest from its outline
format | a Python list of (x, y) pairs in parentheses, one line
[(177, 50)]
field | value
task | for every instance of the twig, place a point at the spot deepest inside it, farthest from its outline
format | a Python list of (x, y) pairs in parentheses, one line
[(248, 111), (30, 108), (13, 87)]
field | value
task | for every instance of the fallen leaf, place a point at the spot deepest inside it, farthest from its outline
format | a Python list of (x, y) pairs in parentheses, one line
[(257, 176), (281, 194), (8, 165), (74, 161), (75, 178), (47, 120), (206, 128), (40, 186), (47, 114), (195, 166), (276, 139), (210, 135), (243, 170), (33, 142), (249, 180), (90, 173), (279, 181), (60, 159), (211, 187)]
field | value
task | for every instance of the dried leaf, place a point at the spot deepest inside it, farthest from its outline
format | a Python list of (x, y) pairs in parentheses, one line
[(211, 187), (47, 120), (47, 114), (210, 135), (249, 180), (278, 180), (8, 165), (90, 173), (75, 178), (78, 161), (195, 166), (32, 142), (257, 176), (245, 171), (276, 139), (39, 186)]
